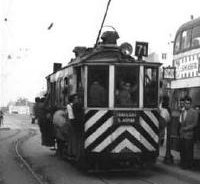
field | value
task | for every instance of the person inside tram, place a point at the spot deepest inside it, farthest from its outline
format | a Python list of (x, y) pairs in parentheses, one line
[(97, 94), (134, 93), (126, 94)]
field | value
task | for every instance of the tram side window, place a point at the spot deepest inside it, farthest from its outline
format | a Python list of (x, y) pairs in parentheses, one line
[(196, 37), (150, 87), (98, 77), (186, 39), (127, 86), (177, 43)]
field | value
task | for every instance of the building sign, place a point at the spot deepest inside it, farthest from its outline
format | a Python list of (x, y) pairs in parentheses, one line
[(169, 72), (126, 117), (187, 67)]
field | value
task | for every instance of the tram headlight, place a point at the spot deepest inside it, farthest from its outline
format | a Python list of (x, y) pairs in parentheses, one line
[(126, 48)]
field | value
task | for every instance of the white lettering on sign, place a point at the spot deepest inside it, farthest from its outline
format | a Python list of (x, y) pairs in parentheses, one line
[(186, 68), (126, 117), (125, 120), (126, 114), (190, 66)]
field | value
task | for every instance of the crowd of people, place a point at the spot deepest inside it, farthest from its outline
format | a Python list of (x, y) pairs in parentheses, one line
[(60, 126), (187, 124)]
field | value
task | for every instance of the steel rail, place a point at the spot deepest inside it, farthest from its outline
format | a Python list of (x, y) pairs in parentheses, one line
[(25, 163), (10, 136)]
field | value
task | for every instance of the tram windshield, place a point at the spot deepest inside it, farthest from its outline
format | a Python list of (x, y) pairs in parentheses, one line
[(126, 86), (150, 87), (98, 86)]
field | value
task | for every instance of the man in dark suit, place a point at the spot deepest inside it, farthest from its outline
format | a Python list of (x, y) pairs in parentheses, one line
[(188, 121)]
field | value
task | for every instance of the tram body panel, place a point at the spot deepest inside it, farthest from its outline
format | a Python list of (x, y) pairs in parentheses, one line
[(109, 131)]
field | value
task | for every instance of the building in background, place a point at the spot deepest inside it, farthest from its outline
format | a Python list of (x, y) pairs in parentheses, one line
[(21, 106)]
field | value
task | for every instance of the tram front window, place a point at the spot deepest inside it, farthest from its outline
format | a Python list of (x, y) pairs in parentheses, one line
[(150, 87), (98, 86), (126, 86)]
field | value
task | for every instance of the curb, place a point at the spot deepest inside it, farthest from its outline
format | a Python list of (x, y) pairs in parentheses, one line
[(190, 176), (4, 128)]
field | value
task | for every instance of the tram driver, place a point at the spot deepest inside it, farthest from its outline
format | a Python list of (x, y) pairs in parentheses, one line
[(97, 94)]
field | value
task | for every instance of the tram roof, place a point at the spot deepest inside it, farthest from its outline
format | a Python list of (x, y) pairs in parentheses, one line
[(190, 24), (106, 54)]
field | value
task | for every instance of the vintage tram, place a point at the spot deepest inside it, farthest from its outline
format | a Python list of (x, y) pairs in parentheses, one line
[(120, 97)]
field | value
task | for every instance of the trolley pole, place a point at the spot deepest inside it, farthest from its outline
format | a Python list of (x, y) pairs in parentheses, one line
[(102, 23)]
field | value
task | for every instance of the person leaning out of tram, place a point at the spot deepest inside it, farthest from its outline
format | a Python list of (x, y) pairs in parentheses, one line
[(61, 130), (188, 122), (75, 115)]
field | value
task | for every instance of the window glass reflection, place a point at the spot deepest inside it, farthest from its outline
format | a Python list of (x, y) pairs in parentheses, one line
[(150, 87), (127, 86), (98, 77)]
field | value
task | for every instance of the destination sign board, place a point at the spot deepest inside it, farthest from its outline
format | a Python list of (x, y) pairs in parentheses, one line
[(126, 117)]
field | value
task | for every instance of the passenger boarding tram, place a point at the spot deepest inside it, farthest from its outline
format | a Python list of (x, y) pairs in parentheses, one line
[(120, 99)]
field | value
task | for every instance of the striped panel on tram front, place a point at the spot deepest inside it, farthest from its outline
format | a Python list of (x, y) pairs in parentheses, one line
[(102, 136)]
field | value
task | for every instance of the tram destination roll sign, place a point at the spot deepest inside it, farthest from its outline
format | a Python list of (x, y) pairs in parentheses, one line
[(126, 117)]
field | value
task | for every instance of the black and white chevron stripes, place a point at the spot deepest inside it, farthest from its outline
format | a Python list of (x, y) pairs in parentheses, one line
[(103, 134)]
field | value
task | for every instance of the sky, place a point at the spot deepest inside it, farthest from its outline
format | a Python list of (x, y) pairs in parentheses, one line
[(28, 49)]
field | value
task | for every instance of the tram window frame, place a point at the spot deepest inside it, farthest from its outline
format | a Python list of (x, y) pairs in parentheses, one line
[(124, 75), (150, 89), (186, 38), (98, 76), (195, 35), (177, 45)]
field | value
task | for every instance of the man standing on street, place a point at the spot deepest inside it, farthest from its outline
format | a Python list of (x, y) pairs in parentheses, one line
[(1, 117), (188, 120)]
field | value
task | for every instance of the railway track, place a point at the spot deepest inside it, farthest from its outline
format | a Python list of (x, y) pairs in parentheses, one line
[(40, 179), (104, 178), (37, 177), (138, 180)]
